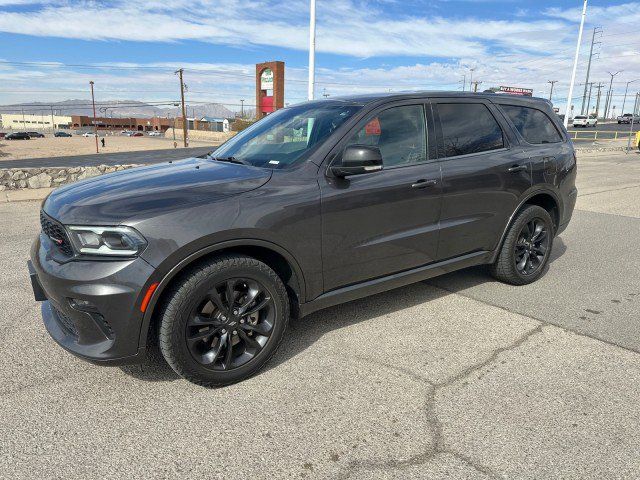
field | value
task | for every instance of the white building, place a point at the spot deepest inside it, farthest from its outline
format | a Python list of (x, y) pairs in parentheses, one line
[(33, 122)]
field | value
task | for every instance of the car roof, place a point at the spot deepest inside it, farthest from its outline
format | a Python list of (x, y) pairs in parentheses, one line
[(370, 98)]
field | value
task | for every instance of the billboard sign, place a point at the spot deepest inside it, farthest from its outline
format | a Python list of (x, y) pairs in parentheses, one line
[(266, 79), (523, 92)]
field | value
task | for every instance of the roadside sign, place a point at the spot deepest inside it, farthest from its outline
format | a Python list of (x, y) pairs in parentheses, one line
[(524, 92)]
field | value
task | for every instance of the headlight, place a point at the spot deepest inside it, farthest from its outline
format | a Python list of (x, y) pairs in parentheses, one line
[(109, 241)]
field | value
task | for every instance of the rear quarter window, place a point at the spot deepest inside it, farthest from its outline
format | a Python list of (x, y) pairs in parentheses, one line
[(534, 125)]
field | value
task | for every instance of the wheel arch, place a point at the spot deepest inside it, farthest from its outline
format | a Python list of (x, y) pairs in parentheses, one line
[(542, 198), (276, 257)]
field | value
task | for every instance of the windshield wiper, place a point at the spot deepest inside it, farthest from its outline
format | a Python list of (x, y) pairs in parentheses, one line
[(230, 160)]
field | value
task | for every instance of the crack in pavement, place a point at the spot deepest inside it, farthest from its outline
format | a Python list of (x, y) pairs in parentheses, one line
[(431, 415), (607, 191)]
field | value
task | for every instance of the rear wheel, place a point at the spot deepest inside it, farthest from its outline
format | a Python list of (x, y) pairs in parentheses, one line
[(526, 248), (224, 321)]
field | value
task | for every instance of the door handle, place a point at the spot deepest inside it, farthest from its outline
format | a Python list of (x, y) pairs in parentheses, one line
[(518, 168), (422, 183)]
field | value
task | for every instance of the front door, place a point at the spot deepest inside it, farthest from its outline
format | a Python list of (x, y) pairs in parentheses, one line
[(383, 222), (483, 178)]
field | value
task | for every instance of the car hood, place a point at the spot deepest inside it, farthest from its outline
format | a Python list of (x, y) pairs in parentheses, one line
[(144, 192)]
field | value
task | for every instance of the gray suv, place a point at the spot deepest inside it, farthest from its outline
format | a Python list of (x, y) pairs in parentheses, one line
[(315, 205)]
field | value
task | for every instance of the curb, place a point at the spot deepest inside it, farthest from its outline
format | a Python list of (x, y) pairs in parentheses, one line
[(24, 195)]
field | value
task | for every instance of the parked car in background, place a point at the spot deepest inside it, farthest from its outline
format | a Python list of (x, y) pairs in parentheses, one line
[(62, 134), (18, 136), (317, 204), (89, 134), (585, 121), (137, 134), (35, 134), (628, 117), (155, 134)]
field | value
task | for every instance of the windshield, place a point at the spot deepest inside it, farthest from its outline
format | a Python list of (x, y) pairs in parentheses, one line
[(579, 117), (286, 136)]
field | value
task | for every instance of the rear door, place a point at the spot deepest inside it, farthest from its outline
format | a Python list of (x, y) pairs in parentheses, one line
[(379, 223), (483, 176)]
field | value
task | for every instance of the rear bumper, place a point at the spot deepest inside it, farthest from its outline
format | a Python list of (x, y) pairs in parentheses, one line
[(91, 308)]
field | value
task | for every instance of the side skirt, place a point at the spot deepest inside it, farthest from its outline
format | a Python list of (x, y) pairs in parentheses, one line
[(379, 285)]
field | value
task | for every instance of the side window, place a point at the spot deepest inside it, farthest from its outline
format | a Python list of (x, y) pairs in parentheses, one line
[(533, 124), (398, 132), (468, 128)]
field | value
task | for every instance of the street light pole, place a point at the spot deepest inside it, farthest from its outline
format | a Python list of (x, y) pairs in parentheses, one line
[(95, 122), (471, 77), (242, 108), (575, 65), (312, 49), (633, 116), (609, 94), (624, 100)]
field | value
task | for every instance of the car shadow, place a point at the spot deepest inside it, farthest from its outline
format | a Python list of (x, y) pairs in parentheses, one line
[(303, 333)]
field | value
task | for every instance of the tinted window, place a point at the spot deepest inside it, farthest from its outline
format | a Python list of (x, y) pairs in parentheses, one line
[(534, 125), (468, 128), (398, 132)]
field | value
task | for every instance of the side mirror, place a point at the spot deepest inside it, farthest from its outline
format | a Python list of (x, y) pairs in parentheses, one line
[(358, 159)]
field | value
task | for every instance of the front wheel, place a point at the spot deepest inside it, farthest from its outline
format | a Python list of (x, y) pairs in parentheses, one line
[(525, 252), (224, 320)]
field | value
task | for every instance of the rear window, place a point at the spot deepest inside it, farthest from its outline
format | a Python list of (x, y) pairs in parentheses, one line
[(533, 124), (580, 117), (468, 128)]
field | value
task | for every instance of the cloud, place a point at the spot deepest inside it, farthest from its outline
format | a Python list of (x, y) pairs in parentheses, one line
[(438, 51), (345, 27)]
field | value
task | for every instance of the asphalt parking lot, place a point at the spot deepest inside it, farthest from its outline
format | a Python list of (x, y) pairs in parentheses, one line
[(459, 377)]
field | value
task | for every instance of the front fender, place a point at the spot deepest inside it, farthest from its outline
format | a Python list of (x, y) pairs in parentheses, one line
[(187, 256)]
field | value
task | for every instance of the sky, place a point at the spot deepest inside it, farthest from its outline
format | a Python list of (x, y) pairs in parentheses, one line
[(51, 50)]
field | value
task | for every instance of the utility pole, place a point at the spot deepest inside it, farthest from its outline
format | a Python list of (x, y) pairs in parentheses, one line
[(24, 122), (464, 82), (324, 92), (589, 99), (575, 65), (95, 122), (552, 82), (596, 30), (242, 108), (312, 49), (471, 77), (184, 109), (475, 84), (53, 125), (599, 86), (610, 94)]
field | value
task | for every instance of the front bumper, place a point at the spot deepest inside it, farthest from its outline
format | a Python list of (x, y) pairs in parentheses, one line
[(91, 308)]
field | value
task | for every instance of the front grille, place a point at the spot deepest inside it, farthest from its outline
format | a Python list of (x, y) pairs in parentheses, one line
[(66, 323), (56, 233)]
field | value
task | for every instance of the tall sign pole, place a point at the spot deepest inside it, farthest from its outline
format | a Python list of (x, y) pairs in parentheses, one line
[(312, 49), (184, 110), (575, 65), (95, 122)]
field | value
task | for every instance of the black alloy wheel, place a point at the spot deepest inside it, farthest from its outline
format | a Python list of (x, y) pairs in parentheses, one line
[(223, 320), (231, 324), (531, 248), (526, 247)]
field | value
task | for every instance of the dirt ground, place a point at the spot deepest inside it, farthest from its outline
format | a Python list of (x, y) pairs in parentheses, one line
[(77, 145)]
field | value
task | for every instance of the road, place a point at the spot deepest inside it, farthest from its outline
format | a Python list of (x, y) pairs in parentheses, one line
[(460, 377), (121, 158)]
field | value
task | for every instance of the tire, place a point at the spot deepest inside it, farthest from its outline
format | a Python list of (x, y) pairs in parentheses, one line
[(213, 343), (507, 267)]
